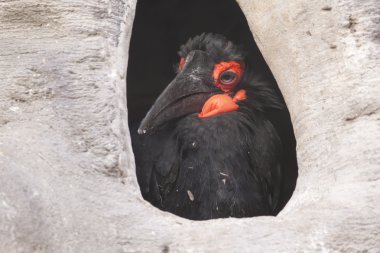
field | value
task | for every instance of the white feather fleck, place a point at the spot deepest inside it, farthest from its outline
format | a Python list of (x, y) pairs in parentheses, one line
[(190, 194)]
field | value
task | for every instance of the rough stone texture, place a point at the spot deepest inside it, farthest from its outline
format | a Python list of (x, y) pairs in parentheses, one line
[(67, 181)]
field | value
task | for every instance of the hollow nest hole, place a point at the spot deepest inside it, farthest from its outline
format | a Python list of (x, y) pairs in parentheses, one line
[(161, 27)]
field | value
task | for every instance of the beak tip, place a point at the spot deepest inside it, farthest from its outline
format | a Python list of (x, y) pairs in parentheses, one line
[(141, 131)]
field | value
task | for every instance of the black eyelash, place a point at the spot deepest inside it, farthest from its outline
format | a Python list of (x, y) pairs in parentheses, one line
[(176, 68)]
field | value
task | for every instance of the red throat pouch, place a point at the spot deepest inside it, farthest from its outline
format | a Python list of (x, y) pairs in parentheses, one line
[(221, 103)]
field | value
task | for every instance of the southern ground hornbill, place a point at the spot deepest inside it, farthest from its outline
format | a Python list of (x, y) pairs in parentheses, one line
[(207, 148)]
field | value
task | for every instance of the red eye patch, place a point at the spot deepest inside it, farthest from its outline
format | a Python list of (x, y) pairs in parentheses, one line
[(228, 74), (181, 63)]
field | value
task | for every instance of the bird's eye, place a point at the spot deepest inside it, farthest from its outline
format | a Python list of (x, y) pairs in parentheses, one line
[(228, 77), (228, 74)]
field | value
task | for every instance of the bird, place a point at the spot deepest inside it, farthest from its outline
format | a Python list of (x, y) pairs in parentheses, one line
[(207, 148)]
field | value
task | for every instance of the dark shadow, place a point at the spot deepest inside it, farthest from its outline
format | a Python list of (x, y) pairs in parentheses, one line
[(161, 26)]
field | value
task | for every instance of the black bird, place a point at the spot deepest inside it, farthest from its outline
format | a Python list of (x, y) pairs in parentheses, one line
[(207, 148)]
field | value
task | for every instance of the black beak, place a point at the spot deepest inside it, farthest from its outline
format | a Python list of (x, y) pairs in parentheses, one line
[(186, 94)]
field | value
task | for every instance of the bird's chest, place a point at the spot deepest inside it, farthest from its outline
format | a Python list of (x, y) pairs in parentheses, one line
[(214, 168), (216, 137), (214, 165), (212, 151)]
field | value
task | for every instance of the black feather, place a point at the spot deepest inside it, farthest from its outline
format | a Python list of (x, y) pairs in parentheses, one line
[(229, 165), (216, 45)]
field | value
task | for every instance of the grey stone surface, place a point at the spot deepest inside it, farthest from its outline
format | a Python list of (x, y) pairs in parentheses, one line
[(67, 181)]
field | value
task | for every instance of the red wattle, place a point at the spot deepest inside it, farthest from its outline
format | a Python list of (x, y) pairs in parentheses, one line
[(221, 103)]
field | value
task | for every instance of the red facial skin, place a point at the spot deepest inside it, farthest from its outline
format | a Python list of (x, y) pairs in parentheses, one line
[(223, 103), (181, 63), (232, 66)]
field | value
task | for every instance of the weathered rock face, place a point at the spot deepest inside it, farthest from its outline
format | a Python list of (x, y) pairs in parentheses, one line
[(67, 181)]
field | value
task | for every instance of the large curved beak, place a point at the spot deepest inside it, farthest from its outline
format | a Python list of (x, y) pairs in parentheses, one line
[(186, 94)]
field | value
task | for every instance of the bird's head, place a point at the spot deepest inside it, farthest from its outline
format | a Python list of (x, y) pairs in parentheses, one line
[(209, 75)]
